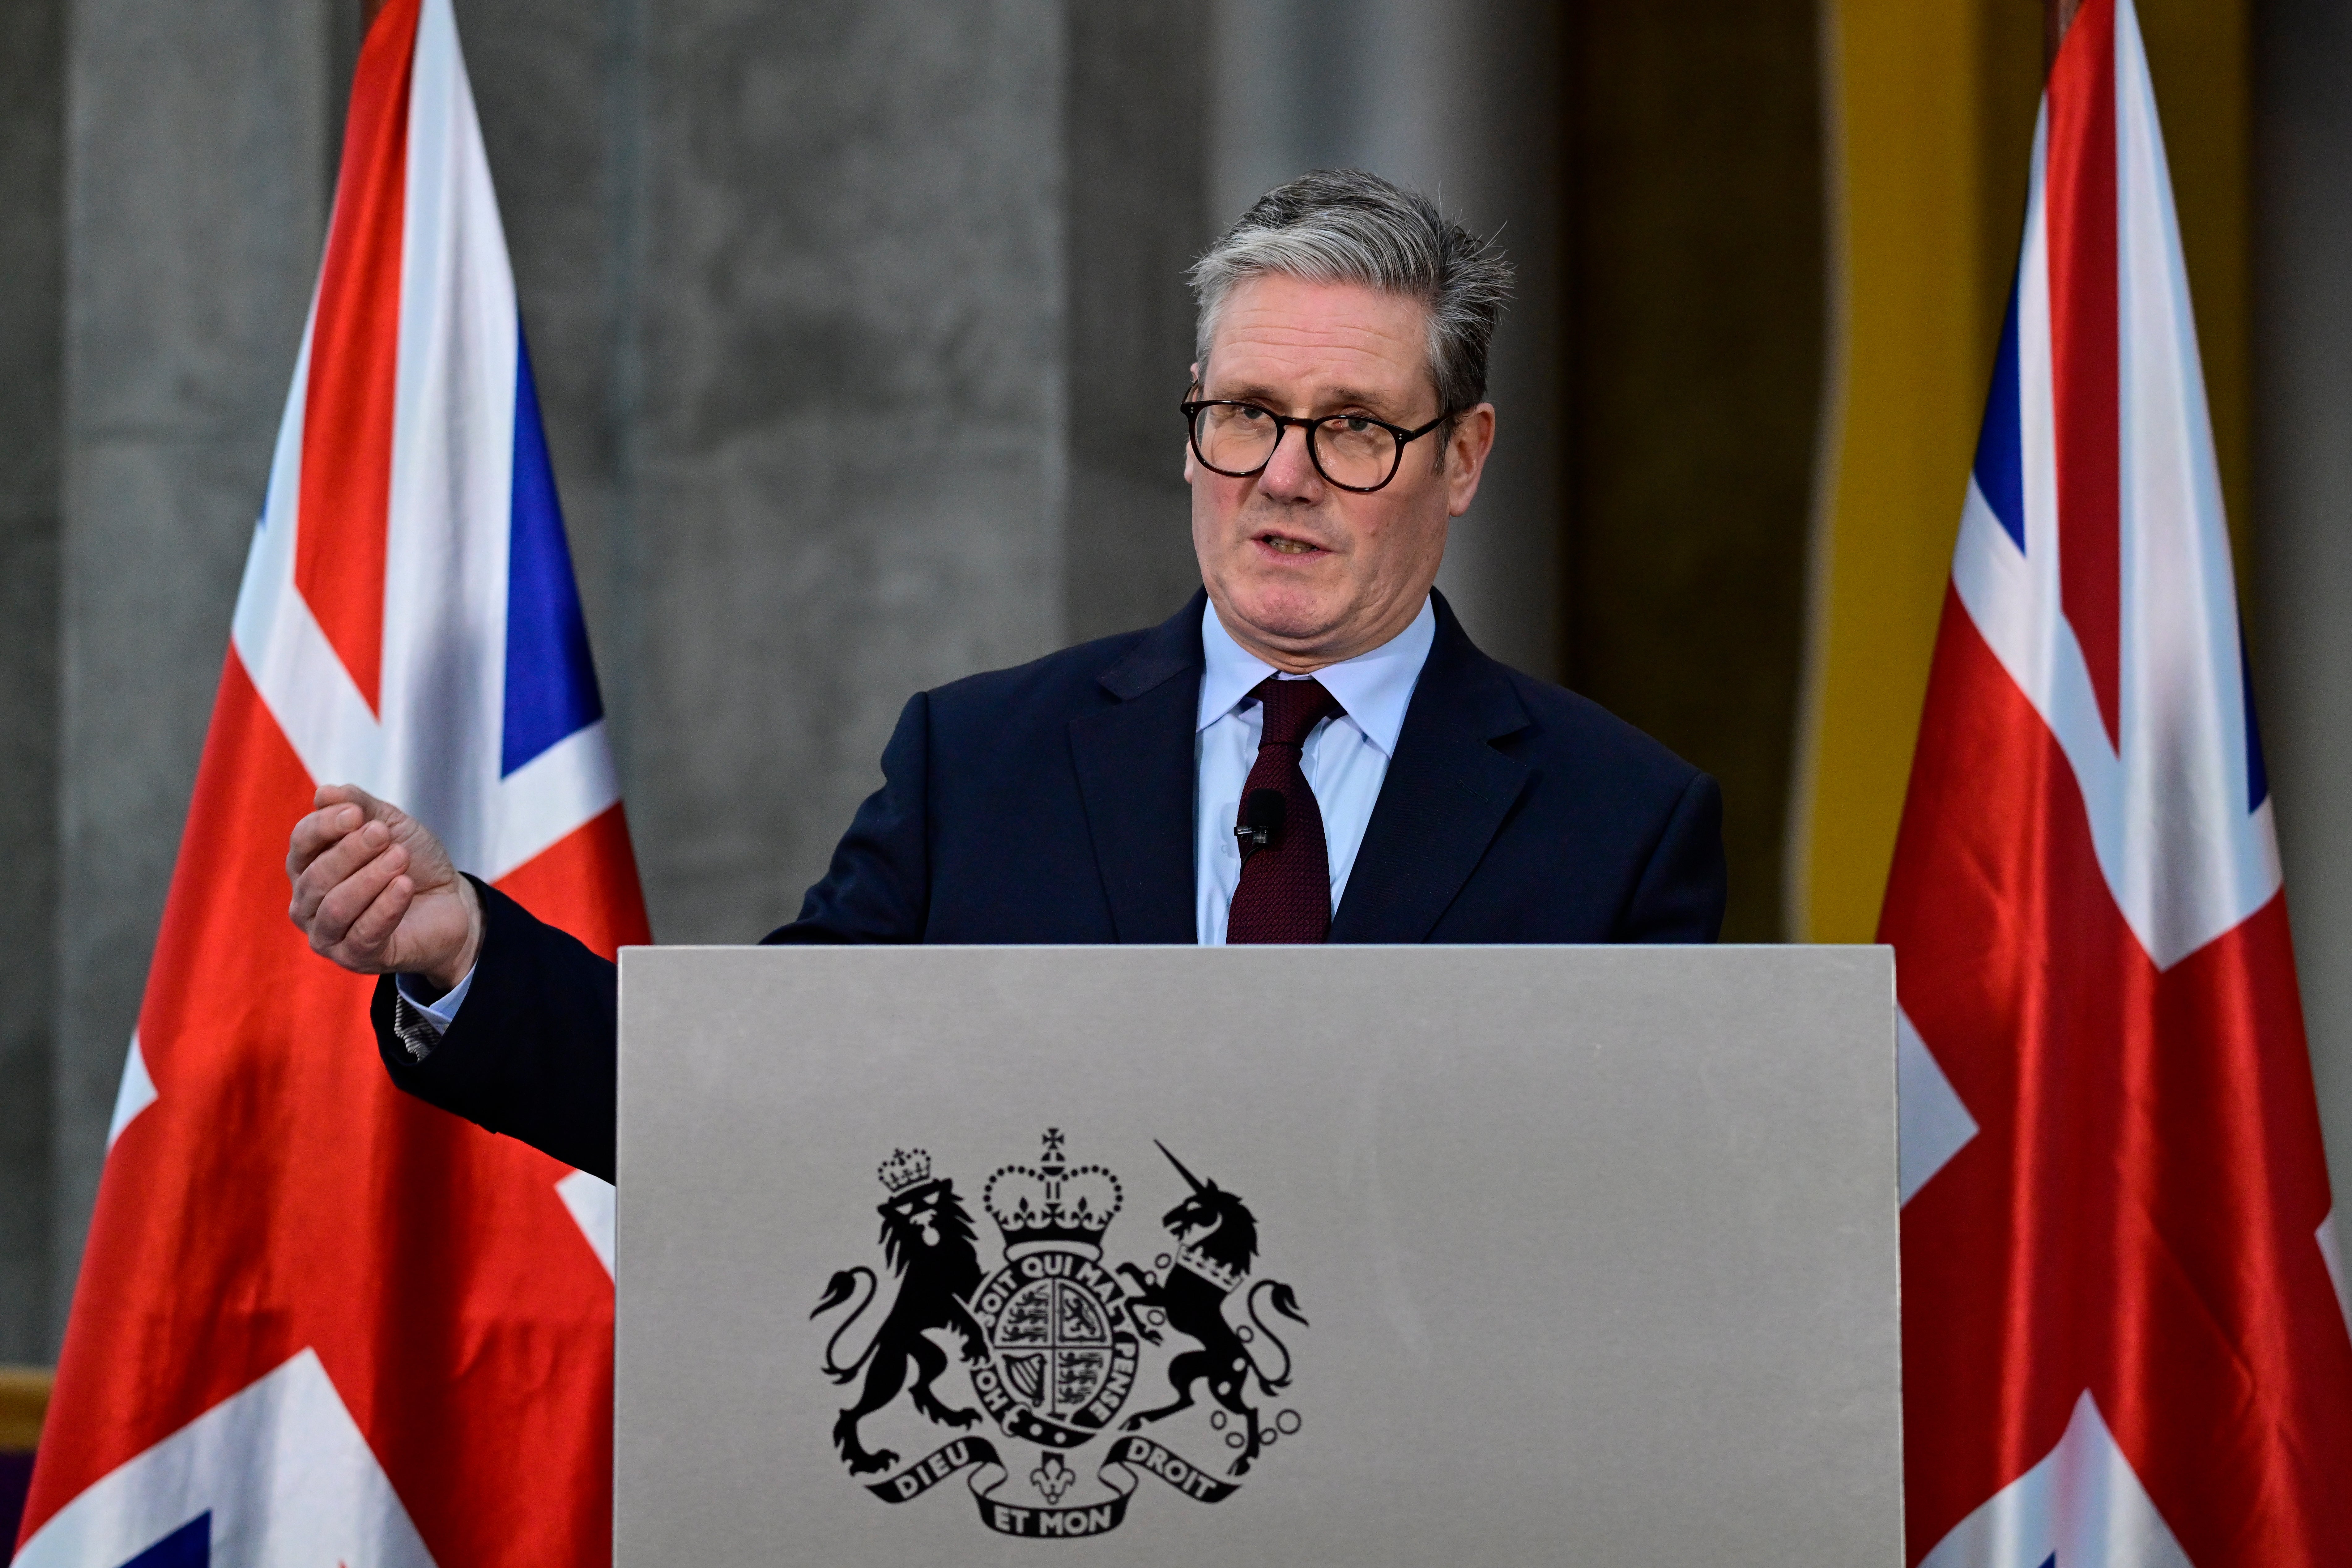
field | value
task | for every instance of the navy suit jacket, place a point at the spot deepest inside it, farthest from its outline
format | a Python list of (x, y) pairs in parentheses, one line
[(1052, 803)]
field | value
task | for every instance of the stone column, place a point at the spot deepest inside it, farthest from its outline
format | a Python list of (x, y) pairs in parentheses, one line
[(2302, 642), (1138, 199), (860, 330), (1460, 99), (31, 183), (852, 449)]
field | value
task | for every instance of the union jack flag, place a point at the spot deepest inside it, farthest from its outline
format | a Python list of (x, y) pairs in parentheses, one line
[(2123, 1334), (319, 1321)]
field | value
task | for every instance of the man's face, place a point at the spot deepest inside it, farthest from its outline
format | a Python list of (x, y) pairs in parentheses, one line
[(1302, 572)]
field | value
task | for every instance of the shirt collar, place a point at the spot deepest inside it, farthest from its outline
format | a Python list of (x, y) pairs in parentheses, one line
[(1375, 688)]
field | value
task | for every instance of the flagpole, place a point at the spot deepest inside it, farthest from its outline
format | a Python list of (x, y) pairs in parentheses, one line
[(2057, 16)]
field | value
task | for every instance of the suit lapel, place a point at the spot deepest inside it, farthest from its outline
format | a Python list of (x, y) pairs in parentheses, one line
[(1136, 767), (1444, 798)]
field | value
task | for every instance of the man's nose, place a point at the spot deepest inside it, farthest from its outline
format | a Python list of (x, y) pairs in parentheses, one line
[(1289, 474)]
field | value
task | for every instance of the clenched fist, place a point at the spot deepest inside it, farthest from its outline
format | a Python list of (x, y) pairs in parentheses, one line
[(375, 891)]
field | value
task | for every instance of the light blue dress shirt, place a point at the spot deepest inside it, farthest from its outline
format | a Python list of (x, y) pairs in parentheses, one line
[(443, 1011), (1345, 759)]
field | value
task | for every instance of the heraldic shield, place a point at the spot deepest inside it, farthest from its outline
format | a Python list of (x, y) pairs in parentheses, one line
[(1054, 1344)]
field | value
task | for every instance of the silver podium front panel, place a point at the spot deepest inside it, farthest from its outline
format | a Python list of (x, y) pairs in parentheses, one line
[(1504, 1254)]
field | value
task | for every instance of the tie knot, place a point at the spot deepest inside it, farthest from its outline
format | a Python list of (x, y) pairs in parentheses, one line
[(1291, 709)]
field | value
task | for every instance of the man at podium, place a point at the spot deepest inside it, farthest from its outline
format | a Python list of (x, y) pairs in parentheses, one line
[(1312, 750)]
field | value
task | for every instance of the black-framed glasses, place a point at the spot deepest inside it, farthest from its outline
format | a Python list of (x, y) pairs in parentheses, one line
[(1353, 451)]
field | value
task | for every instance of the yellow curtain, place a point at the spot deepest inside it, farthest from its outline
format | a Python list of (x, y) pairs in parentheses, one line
[(1928, 123)]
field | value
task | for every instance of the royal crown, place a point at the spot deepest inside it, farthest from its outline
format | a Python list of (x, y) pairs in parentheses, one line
[(905, 1168), (1054, 1208)]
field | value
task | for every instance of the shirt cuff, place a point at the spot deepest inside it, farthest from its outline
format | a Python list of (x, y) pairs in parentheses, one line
[(419, 1024), (442, 1009)]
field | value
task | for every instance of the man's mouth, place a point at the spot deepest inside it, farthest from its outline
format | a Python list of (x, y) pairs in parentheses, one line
[(1284, 544)]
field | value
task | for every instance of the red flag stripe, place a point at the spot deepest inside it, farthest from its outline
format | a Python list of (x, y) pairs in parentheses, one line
[(346, 490), (2080, 203)]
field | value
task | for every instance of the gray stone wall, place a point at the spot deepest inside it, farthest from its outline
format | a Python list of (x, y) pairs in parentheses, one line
[(32, 108), (1138, 205), (851, 439), (2303, 508), (854, 325)]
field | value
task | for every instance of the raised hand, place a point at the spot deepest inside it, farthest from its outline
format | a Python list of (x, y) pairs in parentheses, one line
[(375, 891)]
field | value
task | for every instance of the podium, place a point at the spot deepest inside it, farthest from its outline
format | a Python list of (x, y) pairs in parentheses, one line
[(1364, 1256)]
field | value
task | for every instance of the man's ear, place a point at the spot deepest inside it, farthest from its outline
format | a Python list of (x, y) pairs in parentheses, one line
[(1467, 445)]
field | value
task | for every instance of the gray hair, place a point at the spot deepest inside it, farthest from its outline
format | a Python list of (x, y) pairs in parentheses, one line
[(1344, 225)]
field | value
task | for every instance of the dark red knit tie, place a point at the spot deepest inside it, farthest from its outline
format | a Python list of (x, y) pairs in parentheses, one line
[(1284, 893)]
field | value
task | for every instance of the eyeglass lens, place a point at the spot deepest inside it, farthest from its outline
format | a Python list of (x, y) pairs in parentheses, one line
[(1239, 439)]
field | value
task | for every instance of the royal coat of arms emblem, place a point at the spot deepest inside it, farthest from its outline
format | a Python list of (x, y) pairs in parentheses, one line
[(1052, 1343)]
